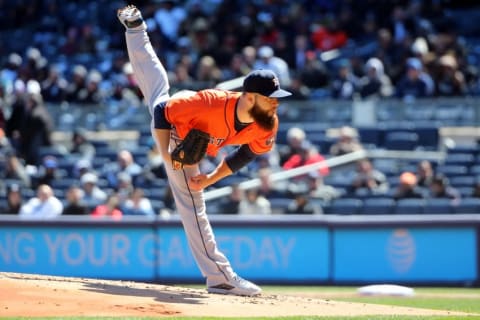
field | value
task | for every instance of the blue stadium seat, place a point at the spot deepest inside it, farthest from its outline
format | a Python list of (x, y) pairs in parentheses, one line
[(437, 206), (409, 206), (465, 192), (463, 181), (378, 206), (371, 135), (428, 137), (468, 205), (401, 140), (463, 159), (345, 206), (452, 170), (279, 205), (470, 149), (475, 169)]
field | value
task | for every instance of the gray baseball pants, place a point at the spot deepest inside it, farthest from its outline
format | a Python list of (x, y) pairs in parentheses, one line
[(153, 82)]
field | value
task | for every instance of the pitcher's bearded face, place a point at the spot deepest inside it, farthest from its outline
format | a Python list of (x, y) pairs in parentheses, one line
[(264, 111)]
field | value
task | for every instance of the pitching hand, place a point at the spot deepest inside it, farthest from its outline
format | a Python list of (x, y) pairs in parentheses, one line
[(198, 182)]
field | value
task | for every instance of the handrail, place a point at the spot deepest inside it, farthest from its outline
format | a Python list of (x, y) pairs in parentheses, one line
[(331, 163)]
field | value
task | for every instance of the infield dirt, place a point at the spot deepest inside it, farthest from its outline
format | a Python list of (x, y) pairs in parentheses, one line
[(30, 295)]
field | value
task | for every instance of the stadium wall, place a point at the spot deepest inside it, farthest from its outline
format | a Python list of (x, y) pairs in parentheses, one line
[(333, 250)]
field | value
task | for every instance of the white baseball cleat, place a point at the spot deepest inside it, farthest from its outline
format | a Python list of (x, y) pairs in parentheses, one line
[(235, 286), (131, 18)]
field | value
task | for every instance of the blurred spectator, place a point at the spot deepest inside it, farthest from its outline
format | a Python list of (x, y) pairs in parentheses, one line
[(92, 194), (267, 60), (15, 169), (14, 200), (415, 83), (407, 188), (48, 172), (110, 208), (328, 36), (347, 142), (425, 174), (308, 155), (30, 125), (74, 204), (254, 204), (441, 188), (449, 80), (317, 189), (137, 204), (202, 40), (295, 137), (124, 187), (231, 203), (298, 89), (77, 85), (313, 72), (169, 17), (208, 74), (155, 167), (302, 204), (125, 163), (368, 180), (268, 188), (81, 147), (44, 206), (249, 54), (91, 94), (54, 87), (375, 83), (81, 167), (344, 83), (9, 73)]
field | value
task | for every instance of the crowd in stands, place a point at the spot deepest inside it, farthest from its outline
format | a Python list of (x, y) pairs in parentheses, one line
[(73, 53)]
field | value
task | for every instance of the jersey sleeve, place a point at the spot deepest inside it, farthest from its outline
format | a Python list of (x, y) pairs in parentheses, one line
[(187, 112)]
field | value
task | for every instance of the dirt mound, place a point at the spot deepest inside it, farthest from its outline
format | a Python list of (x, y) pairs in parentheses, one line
[(31, 295)]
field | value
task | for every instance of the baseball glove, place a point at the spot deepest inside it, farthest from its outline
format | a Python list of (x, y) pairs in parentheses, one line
[(191, 150)]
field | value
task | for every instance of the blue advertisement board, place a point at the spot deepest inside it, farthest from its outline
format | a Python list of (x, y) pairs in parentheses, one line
[(410, 254), (87, 252), (162, 253), (257, 253)]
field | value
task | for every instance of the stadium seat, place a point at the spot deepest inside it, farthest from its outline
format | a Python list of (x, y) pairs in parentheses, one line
[(452, 170), (475, 169), (409, 206), (371, 136), (279, 205), (468, 205), (463, 159), (345, 206), (470, 149), (402, 140), (428, 137), (437, 206), (378, 206), (463, 181)]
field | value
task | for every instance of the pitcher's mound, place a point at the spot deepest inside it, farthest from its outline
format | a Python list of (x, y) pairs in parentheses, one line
[(31, 295)]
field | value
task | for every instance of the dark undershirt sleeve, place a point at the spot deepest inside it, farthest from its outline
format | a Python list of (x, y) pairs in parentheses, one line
[(241, 157), (159, 119)]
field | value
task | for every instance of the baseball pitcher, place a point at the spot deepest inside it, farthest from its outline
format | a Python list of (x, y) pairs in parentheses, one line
[(186, 127)]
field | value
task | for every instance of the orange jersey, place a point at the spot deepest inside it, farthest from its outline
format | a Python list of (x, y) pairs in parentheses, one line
[(213, 111)]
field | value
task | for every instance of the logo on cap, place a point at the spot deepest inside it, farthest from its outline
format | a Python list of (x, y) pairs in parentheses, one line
[(264, 82)]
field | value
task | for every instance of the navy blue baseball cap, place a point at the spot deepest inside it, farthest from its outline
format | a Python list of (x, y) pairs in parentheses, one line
[(264, 82)]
